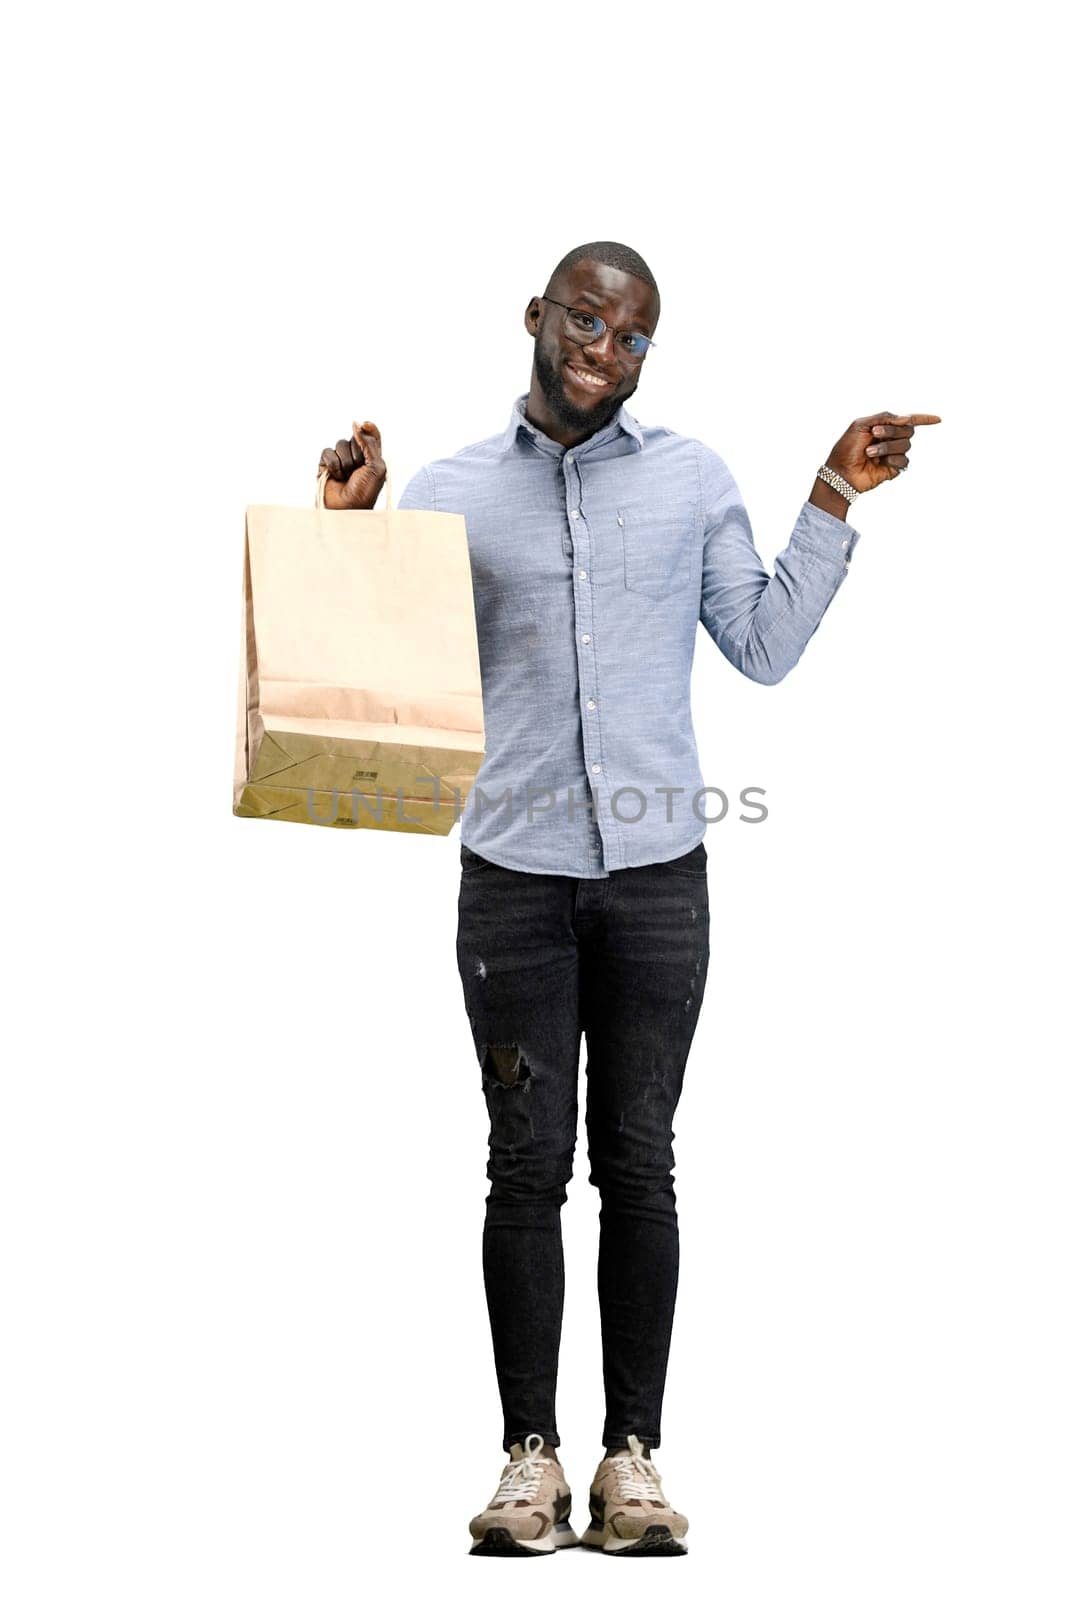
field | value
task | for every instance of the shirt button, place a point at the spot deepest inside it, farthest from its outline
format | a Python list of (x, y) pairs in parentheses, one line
[(596, 766), (586, 637), (591, 704), (844, 544), (576, 513), (582, 573)]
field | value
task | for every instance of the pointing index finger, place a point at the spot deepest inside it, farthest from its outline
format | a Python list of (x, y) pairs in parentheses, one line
[(915, 418)]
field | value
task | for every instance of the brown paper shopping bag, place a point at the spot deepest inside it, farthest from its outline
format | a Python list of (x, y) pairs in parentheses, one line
[(359, 691)]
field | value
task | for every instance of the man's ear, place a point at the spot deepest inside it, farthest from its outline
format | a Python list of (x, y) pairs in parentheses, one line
[(533, 316)]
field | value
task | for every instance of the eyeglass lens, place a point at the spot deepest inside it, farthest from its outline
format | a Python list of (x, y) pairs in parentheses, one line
[(585, 328)]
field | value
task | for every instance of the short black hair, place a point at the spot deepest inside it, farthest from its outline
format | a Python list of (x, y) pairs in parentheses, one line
[(610, 254)]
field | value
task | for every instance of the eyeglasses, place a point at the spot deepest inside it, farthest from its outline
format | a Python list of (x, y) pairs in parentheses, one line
[(584, 328)]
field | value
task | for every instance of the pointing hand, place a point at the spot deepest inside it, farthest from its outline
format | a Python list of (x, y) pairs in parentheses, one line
[(876, 448)]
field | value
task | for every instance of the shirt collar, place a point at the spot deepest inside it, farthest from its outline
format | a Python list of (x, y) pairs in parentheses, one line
[(621, 420)]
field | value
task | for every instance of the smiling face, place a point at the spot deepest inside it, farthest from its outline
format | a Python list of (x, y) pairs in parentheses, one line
[(576, 389)]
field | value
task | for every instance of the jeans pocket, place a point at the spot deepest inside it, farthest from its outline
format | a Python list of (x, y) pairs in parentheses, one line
[(692, 865), (470, 861)]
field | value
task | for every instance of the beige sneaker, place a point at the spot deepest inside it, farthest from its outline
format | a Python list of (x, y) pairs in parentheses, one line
[(630, 1513), (528, 1515)]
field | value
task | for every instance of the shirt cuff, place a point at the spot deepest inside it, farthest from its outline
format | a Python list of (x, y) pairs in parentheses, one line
[(824, 535)]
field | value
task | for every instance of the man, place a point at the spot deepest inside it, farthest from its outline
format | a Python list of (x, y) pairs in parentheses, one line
[(596, 545)]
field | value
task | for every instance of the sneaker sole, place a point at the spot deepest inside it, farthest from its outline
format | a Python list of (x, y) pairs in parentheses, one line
[(657, 1540), (502, 1542)]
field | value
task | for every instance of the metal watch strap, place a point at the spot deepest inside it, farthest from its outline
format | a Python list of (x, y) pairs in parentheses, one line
[(836, 481)]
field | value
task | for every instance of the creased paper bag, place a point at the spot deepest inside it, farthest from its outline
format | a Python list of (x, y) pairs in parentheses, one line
[(359, 690)]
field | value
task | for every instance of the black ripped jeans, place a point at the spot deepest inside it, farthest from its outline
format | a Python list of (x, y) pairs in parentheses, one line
[(543, 959)]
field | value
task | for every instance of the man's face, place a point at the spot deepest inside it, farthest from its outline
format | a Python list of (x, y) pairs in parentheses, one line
[(588, 403)]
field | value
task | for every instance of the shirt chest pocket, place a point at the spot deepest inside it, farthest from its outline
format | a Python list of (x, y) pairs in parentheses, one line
[(658, 548)]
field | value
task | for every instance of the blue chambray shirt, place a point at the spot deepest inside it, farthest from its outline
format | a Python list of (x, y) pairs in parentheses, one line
[(591, 568)]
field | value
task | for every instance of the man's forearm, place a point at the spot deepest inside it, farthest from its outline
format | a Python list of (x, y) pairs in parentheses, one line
[(828, 499)]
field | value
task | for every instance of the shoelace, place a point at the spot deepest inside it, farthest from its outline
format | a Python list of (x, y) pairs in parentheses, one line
[(637, 1478), (521, 1479)]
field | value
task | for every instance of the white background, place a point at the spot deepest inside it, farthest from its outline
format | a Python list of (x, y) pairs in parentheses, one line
[(243, 1129)]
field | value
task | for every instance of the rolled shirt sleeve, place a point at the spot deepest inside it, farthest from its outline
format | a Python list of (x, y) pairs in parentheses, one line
[(762, 622)]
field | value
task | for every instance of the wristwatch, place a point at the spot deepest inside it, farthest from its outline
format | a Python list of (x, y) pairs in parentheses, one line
[(836, 481)]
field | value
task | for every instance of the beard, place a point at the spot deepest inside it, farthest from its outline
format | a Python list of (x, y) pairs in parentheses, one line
[(575, 418)]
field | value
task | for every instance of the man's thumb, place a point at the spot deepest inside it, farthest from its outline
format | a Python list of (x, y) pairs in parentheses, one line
[(370, 444)]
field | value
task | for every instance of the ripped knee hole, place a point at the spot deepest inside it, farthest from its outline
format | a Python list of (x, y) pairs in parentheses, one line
[(507, 1063)]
